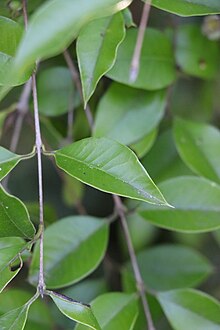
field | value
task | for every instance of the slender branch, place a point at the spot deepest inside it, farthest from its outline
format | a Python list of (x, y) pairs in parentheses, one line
[(134, 70), (24, 8), (41, 284), (138, 278), (76, 80), (120, 211)]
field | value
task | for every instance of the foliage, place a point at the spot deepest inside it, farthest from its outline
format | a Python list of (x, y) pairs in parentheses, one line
[(130, 167)]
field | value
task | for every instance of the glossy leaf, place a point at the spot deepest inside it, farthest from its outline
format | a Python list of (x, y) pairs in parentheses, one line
[(196, 55), (55, 24), (10, 247), (109, 166), (39, 316), (14, 217), (190, 309), (97, 46), (196, 202), (75, 310), (157, 66), (127, 115), (55, 91), (198, 145), (11, 33), (8, 160), (73, 248), (188, 7), (115, 310), (167, 267)]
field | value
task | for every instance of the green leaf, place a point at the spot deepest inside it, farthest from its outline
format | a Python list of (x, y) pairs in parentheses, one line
[(16, 319), (190, 309), (167, 267), (126, 114), (11, 33), (199, 144), (115, 310), (97, 46), (8, 160), (157, 65), (14, 217), (55, 91), (45, 37), (142, 146), (73, 248), (75, 310), (196, 202), (39, 316), (195, 54), (188, 7), (10, 247), (109, 166)]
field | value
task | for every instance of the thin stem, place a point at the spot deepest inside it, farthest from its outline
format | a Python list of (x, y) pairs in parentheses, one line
[(76, 80), (134, 263), (41, 283), (24, 8), (135, 63)]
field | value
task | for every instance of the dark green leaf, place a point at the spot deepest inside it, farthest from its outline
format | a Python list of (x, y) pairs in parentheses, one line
[(196, 202), (109, 166), (157, 66), (198, 145), (8, 160), (168, 267), (97, 46), (115, 311), (14, 217), (196, 55), (188, 7), (142, 146), (190, 309), (55, 91), (73, 248), (75, 310), (127, 115), (56, 23), (7, 275)]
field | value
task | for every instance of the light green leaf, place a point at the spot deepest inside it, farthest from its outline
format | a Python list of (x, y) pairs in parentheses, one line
[(16, 319), (11, 33), (142, 146), (55, 91), (8, 160), (188, 7), (109, 166), (199, 144), (190, 309), (14, 217), (195, 54), (75, 310), (157, 65), (168, 267), (97, 46), (39, 316), (196, 202), (126, 114), (73, 248), (10, 247), (128, 19), (114, 310), (56, 23)]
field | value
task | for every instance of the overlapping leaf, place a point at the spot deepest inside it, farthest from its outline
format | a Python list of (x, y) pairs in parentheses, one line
[(196, 202), (73, 248), (109, 166), (8, 160)]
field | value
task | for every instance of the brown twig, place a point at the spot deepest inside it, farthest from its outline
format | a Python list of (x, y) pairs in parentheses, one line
[(135, 63)]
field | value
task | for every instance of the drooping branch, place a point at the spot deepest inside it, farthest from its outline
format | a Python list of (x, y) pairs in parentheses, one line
[(135, 63)]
